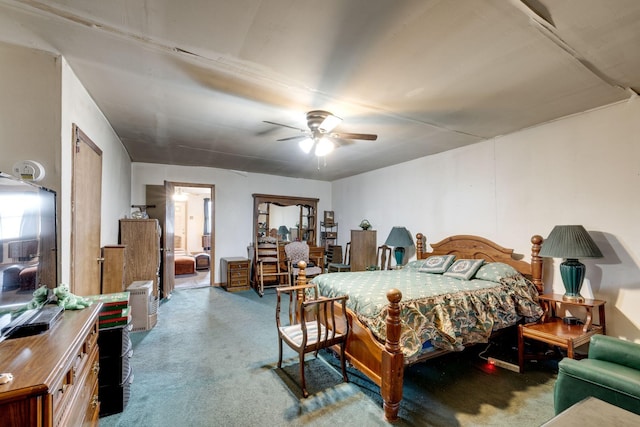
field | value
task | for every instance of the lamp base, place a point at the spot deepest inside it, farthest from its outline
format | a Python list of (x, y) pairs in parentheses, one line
[(399, 254), (573, 298), (572, 272)]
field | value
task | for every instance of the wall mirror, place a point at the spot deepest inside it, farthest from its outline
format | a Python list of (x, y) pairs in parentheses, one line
[(286, 218)]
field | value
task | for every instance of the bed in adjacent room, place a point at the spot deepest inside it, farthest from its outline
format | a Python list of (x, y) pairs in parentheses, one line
[(457, 295)]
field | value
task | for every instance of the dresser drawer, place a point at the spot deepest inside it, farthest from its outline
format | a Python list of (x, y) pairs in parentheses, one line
[(76, 395), (238, 265)]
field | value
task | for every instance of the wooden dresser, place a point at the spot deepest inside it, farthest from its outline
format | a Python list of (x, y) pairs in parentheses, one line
[(55, 374), (363, 249), (234, 273)]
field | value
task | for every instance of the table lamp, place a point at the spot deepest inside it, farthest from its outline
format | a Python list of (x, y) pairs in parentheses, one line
[(399, 238), (570, 242), (283, 231)]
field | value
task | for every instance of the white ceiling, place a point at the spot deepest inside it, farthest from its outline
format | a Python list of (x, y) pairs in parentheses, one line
[(190, 82)]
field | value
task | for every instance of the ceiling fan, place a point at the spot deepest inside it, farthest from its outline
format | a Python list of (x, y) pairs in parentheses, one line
[(320, 135)]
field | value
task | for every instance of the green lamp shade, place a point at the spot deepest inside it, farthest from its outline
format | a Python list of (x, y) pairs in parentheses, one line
[(570, 242), (400, 238)]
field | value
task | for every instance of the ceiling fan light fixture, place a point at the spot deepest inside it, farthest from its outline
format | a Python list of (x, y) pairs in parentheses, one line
[(324, 147), (306, 145), (329, 123)]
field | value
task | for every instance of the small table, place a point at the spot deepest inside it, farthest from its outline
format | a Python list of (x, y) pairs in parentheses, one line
[(553, 330), (235, 273), (592, 412)]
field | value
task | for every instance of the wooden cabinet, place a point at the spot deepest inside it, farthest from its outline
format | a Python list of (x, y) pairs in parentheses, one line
[(363, 249), (234, 272), (55, 374), (113, 261), (142, 239)]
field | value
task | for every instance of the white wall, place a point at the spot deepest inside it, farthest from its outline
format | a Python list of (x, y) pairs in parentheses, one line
[(30, 110), (233, 201), (41, 98), (583, 169), (78, 107)]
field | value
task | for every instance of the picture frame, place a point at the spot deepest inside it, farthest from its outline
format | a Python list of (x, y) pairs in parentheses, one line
[(328, 217)]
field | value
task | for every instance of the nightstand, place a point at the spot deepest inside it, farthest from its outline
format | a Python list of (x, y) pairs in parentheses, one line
[(235, 273), (554, 331)]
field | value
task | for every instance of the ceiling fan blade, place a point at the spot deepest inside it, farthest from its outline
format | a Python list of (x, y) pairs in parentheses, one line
[(364, 136), (294, 138), (286, 126)]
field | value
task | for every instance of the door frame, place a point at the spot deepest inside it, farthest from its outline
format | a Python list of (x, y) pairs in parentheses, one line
[(212, 192)]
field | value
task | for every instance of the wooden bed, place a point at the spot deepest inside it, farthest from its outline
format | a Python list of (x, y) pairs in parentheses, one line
[(383, 363)]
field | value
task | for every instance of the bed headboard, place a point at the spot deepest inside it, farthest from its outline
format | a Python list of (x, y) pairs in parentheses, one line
[(475, 247)]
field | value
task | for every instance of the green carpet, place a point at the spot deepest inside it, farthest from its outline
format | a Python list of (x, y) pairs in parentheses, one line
[(211, 361)]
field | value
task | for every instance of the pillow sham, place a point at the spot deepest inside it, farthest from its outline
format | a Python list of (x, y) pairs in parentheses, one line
[(495, 271), (416, 264), (437, 264), (464, 268)]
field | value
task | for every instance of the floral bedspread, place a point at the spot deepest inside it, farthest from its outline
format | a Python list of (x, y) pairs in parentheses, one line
[(447, 312)]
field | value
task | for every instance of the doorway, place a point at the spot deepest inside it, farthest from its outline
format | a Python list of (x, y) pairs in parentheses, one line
[(187, 212), (193, 234)]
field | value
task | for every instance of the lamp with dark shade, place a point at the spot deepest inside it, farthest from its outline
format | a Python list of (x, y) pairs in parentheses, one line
[(283, 231), (570, 242), (399, 238)]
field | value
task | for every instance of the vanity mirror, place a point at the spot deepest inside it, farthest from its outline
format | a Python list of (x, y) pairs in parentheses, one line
[(298, 214)]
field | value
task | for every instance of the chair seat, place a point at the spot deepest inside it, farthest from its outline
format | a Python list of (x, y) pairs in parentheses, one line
[(293, 334), (337, 267), (324, 320)]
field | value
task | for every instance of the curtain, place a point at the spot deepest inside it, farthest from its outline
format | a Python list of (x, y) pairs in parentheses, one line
[(207, 216)]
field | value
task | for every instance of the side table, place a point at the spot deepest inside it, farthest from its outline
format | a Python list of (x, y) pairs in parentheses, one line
[(235, 273), (552, 329)]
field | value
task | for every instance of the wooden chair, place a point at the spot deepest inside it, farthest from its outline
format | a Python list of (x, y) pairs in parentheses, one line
[(340, 266), (308, 324), (299, 251), (268, 268), (383, 258)]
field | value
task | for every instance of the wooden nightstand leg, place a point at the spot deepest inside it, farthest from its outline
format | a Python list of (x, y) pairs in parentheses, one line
[(570, 350), (520, 349), (602, 320)]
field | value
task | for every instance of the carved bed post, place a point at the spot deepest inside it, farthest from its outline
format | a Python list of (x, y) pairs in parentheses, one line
[(392, 359), (536, 262), (419, 245), (302, 273)]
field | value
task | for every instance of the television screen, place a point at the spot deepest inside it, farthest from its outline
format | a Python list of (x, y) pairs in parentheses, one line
[(28, 253)]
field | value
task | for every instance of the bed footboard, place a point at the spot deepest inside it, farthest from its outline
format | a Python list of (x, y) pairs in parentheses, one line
[(382, 364), (392, 359)]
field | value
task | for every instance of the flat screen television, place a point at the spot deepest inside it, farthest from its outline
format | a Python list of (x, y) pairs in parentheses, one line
[(28, 252)]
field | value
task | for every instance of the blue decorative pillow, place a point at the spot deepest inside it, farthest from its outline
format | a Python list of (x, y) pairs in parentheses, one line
[(437, 264), (464, 268), (495, 271)]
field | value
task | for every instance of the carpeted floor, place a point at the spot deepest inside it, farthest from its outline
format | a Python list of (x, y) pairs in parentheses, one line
[(210, 361), (199, 279)]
